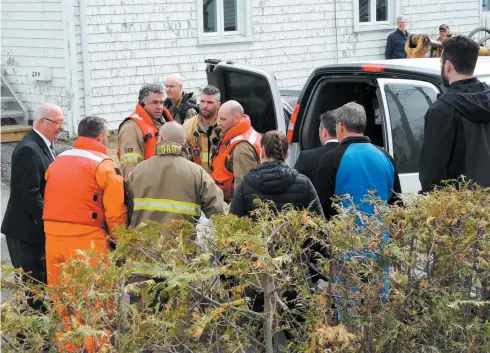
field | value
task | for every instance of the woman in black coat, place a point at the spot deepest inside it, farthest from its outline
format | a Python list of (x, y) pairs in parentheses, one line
[(274, 180)]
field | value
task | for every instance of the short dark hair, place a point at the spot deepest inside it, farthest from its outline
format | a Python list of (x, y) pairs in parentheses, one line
[(275, 145), (211, 90), (91, 126), (352, 116), (328, 121), (462, 52), (147, 89)]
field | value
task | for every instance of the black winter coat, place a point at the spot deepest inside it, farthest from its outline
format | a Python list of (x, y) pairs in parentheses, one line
[(457, 136), (278, 182)]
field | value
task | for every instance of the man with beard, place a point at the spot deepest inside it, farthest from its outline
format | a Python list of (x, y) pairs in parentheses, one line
[(457, 125), (200, 130)]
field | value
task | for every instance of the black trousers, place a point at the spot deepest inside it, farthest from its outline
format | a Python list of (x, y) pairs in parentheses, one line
[(31, 257)]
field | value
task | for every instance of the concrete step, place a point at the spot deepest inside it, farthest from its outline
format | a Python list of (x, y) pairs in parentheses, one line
[(14, 133), (12, 114), (7, 99)]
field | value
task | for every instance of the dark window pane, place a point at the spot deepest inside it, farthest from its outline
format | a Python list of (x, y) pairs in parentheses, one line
[(209, 16), (381, 10), (365, 10), (407, 106), (230, 15), (254, 95)]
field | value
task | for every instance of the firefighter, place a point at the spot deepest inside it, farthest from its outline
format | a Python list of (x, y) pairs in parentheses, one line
[(200, 130), (160, 201), (238, 151), (182, 106), (137, 135), (83, 202)]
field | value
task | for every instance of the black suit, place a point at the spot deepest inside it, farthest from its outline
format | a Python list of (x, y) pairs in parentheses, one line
[(309, 160), (23, 224)]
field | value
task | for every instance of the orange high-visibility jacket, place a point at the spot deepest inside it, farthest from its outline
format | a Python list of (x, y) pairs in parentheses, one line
[(84, 197), (221, 174)]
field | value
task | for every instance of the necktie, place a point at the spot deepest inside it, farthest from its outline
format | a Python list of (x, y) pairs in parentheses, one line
[(52, 150)]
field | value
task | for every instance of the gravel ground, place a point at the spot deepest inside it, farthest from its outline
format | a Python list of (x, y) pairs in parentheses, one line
[(60, 146)]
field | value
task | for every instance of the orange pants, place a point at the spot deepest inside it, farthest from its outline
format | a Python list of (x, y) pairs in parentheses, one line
[(59, 249)]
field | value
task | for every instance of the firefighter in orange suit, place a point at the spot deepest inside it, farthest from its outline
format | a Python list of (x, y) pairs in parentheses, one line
[(137, 135), (200, 130), (83, 201), (190, 191), (238, 151)]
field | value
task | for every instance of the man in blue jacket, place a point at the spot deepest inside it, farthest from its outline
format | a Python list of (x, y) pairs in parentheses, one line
[(395, 44), (356, 167)]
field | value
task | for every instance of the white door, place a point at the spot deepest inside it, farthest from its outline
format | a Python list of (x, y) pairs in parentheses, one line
[(405, 103), (254, 88)]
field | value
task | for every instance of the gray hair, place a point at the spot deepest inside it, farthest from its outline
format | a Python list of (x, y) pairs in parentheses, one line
[(210, 90), (352, 116), (43, 110), (147, 89), (91, 126), (328, 121), (399, 18)]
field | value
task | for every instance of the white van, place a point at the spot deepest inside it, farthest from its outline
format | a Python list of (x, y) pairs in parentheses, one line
[(395, 93)]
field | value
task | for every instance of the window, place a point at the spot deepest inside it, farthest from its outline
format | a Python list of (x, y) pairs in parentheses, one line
[(375, 14), (407, 105), (485, 5), (256, 102), (224, 21)]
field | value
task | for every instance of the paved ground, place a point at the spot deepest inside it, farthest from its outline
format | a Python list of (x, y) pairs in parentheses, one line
[(4, 251)]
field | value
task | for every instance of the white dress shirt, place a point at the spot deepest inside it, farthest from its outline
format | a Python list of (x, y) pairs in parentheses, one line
[(332, 140)]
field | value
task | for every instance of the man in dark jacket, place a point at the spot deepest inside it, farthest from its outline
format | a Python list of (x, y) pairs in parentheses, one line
[(457, 125), (307, 162), (181, 105), (23, 224), (356, 167), (395, 44)]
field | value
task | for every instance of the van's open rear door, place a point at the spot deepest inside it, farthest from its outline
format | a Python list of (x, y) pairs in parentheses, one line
[(255, 89)]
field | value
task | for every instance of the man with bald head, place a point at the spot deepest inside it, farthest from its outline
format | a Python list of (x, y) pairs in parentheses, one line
[(169, 186), (181, 105), (23, 221), (239, 148)]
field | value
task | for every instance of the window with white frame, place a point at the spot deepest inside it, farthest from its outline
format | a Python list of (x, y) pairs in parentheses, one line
[(486, 5), (224, 19), (375, 14), (373, 11)]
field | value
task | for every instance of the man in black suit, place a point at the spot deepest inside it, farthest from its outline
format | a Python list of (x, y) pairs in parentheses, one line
[(308, 160), (23, 225)]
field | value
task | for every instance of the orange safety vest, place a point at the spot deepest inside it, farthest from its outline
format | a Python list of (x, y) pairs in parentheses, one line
[(72, 194), (221, 174), (148, 129)]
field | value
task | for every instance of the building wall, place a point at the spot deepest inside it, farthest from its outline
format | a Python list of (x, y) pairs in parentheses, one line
[(32, 38), (140, 41)]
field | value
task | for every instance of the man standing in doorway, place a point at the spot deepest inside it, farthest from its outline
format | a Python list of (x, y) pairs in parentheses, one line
[(457, 125), (200, 130), (307, 162), (395, 44), (181, 105)]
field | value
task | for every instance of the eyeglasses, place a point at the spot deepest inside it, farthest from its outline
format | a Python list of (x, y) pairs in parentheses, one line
[(54, 122)]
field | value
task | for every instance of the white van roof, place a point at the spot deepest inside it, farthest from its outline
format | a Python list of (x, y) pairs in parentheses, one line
[(482, 65)]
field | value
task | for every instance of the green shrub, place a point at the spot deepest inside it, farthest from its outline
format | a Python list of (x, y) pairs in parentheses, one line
[(197, 290)]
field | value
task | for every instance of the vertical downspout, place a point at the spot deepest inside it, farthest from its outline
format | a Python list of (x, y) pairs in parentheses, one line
[(336, 33), (85, 58)]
